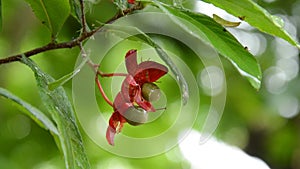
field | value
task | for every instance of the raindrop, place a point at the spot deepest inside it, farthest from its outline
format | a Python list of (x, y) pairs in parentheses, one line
[(56, 108), (76, 71), (177, 78), (177, 3), (278, 21)]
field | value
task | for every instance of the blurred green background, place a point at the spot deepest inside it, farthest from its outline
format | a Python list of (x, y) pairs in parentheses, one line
[(264, 123)]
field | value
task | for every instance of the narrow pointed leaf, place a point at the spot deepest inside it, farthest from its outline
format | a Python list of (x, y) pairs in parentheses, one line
[(256, 16), (34, 113), (135, 34), (59, 106), (209, 31), (75, 9), (52, 13)]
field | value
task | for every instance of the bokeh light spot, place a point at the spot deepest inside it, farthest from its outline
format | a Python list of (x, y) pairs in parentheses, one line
[(288, 107), (212, 80)]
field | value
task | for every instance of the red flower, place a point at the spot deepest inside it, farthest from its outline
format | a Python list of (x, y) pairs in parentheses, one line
[(138, 90), (138, 75)]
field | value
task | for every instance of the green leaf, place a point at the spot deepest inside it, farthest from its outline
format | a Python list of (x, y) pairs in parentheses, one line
[(134, 33), (67, 77), (207, 30), (256, 16), (59, 106), (52, 13), (35, 114)]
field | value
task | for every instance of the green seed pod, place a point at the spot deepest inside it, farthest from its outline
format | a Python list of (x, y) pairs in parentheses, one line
[(150, 92), (136, 116), (225, 22)]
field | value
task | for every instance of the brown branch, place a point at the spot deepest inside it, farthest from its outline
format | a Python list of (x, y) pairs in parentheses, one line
[(70, 44), (83, 19), (50, 46)]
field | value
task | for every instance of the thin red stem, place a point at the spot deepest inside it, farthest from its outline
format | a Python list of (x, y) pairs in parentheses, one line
[(102, 91)]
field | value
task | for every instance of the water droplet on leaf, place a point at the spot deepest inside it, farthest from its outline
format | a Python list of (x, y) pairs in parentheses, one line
[(278, 21)]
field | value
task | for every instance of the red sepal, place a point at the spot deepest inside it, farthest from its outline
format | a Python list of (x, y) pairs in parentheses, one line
[(149, 71), (131, 61)]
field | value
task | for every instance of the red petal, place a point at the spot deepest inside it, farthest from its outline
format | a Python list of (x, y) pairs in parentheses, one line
[(128, 89), (120, 104), (110, 135), (131, 61), (149, 71), (116, 122)]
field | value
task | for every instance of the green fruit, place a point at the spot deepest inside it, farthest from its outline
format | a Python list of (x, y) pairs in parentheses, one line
[(150, 92), (136, 116)]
